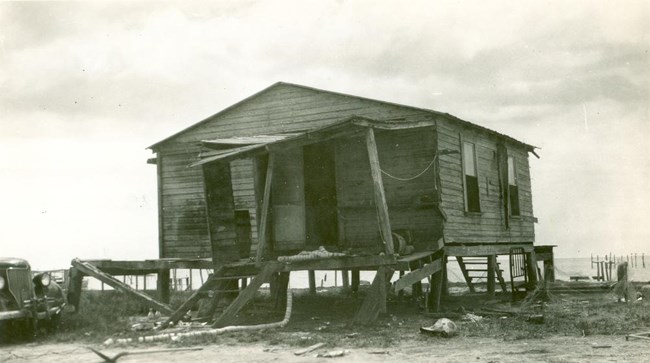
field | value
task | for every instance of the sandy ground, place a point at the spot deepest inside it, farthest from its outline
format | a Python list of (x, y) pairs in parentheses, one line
[(458, 349)]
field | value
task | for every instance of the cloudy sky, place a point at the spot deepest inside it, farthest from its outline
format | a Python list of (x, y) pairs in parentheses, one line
[(85, 87)]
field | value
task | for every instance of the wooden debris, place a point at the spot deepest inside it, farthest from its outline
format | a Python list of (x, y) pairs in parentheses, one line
[(375, 301), (93, 271), (379, 352), (246, 295), (644, 336), (196, 296), (333, 354), (310, 348)]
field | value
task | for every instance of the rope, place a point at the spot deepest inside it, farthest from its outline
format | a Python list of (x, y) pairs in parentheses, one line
[(413, 177)]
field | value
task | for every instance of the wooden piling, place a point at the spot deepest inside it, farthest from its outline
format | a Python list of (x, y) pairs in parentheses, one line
[(163, 285), (643, 259), (312, 281), (491, 269), (345, 278), (356, 280)]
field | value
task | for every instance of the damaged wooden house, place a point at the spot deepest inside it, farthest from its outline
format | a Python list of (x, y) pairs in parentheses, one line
[(375, 185)]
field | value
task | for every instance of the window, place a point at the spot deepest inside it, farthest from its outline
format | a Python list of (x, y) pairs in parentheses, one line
[(472, 203), (513, 188)]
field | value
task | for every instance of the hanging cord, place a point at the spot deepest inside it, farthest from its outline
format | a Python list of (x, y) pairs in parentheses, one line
[(433, 161), (413, 177)]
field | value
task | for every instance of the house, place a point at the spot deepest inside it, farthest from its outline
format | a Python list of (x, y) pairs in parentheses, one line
[(292, 168)]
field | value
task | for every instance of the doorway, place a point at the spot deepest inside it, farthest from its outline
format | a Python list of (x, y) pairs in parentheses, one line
[(320, 195)]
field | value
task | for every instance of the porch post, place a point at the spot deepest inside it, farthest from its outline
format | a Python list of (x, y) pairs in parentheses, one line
[(262, 235), (380, 196)]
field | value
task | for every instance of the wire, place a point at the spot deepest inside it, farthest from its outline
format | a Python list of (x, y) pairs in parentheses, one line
[(413, 177)]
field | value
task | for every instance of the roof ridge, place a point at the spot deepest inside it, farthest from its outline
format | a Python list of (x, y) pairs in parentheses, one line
[(279, 83)]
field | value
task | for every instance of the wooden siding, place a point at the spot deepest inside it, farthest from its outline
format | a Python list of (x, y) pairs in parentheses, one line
[(489, 225), (287, 108), (284, 108), (411, 204), (185, 231)]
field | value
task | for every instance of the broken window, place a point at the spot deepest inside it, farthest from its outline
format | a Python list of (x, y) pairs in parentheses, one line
[(472, 203), (513, 188)]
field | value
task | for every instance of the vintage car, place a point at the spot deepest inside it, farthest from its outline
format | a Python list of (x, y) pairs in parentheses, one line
[(27, 300)]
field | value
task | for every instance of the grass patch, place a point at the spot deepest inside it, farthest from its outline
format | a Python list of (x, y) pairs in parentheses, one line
[(327, 318)]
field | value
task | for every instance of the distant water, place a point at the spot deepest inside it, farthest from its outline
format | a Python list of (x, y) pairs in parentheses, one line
[(564, 268)]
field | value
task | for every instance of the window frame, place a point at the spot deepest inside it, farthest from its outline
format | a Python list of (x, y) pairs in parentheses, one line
[(515, 178), (464, 175)]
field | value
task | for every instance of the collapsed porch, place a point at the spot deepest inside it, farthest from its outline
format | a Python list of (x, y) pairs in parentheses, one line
[(327, 187)]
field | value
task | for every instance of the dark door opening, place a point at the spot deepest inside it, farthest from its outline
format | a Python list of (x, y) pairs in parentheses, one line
[(320, 195), (243, 232)]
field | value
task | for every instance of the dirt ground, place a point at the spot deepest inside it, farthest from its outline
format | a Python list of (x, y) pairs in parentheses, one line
[(456, 349), (577, 327)]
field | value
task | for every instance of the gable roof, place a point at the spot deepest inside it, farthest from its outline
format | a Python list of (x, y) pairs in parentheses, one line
[(278, 84)]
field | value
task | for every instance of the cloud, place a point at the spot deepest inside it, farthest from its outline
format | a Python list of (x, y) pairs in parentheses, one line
[(85, 86)]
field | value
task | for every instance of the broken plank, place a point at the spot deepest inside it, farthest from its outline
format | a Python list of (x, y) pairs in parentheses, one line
[(372, 305), (264, 212), (310, 348), (417, 275), (380, 196), (93, 271), (246, 295), (196, 296)]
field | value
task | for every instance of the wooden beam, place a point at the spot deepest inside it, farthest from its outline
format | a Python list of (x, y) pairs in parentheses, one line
[(162, 285), (93, 271), (382, 288), (484, 250), (161, 219), (337, 263), (436, 291), (375, 301), (532, 270), (150, 266), (345, 278), (445, 278), (246, 295), (380, 196), (463, 269), (417, 275), (75, 287), (312, 281), (394, 125), (196, 296), (491, 270), (356, 280), (262, 236)]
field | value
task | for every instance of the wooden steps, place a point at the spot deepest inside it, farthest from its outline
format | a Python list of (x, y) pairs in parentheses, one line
[(484, 271)]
